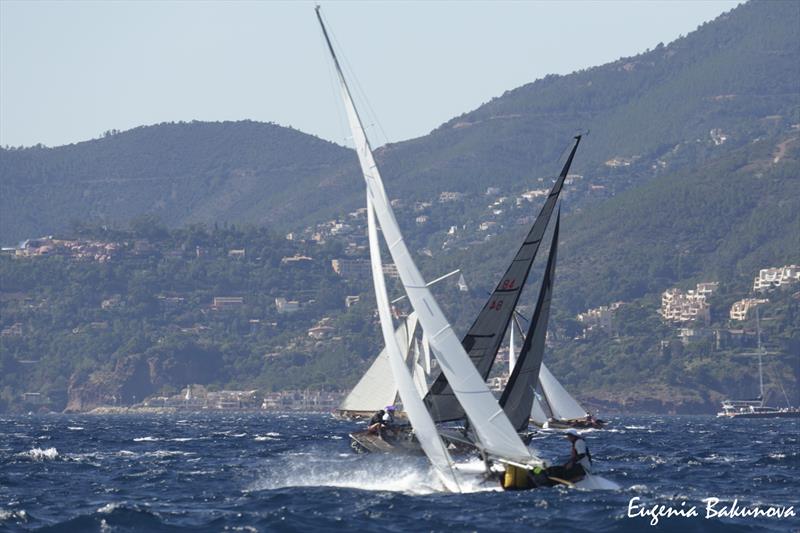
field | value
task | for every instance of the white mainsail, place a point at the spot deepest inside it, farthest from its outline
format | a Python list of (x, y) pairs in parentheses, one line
[(418, 415), (492, 427), (376, 389), (561, 403)]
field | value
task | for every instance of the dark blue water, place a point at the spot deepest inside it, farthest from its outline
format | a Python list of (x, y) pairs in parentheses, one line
[(255, 472)]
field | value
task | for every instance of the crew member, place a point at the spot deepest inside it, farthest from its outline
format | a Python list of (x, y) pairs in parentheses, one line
[(387, 421), (580, 461), (376, 422)]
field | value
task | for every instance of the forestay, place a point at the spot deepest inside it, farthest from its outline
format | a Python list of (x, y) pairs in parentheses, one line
[(493, 429)]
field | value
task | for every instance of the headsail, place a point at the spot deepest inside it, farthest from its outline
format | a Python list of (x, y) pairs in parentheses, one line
[(492, 427), (560, 402), (483, 339), (518, 396), (539, 413), (418, 416), (376, 389)]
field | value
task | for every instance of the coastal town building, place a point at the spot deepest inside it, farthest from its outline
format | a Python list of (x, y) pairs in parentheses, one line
[(770, 278), (297, 259), (742, 309), (448, 196), (351, 268), (224, 303), (599, 318), (285, 306), (689, 306)]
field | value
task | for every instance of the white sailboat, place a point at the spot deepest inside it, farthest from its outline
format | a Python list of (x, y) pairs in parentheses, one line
[(377, 388), (553, 404), (495, 434)]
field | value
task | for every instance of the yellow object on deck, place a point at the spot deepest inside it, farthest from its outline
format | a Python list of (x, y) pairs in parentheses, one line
[(516, 478)]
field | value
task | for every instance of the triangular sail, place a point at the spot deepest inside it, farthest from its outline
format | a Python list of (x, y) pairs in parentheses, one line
[(418, 416), (539, 414), (493, 429), (377, 387), (561, 403), (483, 339), (519, 394)]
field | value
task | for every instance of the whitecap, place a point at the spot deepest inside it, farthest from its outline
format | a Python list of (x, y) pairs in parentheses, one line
[(109, 508), (146, 439), (38, 454), (75, 428), (8, 515), (167, 453)]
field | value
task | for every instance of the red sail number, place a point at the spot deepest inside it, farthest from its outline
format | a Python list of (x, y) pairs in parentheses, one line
[(496, 305), (509, 284)]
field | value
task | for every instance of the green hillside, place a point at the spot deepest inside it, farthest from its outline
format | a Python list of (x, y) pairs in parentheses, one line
[(737, 74)]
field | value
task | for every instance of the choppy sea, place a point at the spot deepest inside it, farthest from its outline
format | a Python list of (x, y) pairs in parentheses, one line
[(260, 472)]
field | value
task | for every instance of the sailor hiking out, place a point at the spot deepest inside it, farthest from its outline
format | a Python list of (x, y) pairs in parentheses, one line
[(579, 463)]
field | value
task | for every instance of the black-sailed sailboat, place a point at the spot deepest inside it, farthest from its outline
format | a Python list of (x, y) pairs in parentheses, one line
[(484, 338)]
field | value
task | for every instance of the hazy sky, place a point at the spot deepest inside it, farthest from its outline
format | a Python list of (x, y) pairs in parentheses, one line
[(71, 70)]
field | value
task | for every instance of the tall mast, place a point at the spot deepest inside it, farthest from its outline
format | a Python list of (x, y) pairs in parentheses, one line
[(760, 361)]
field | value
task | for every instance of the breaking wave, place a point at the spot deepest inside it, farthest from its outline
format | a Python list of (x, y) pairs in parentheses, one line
[(38, 454)]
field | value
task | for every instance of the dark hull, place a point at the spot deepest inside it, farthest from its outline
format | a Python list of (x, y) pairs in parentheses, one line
[(576, 424), (402, 442)]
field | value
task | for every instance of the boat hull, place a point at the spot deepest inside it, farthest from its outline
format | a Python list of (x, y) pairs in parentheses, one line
[(775, 414)]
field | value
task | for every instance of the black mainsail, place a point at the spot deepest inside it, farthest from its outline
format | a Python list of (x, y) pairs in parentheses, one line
[(483, 339), (517, 398)]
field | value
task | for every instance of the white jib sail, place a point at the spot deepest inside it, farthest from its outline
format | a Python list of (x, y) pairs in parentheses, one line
[(418, 416), (492, 427), (562, 404), (376, 389), (537, 412)]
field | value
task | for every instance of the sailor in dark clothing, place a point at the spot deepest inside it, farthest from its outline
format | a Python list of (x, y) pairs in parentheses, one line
[(580, 461), (376, 422)]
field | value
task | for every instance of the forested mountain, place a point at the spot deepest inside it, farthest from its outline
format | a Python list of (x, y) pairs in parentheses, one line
[(737, 74), (691, 173)]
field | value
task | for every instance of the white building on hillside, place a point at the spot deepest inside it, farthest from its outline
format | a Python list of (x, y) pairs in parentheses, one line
[(769, 278)]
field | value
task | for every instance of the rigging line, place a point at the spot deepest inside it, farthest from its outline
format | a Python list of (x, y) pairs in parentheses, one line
[(340, 119), (351, 75)]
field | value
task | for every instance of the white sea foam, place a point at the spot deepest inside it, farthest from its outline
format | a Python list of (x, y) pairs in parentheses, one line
[(10, 515), (167, 453), (146, 439), (75, 428), (109, 508), (372, 473), (38, 454)]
